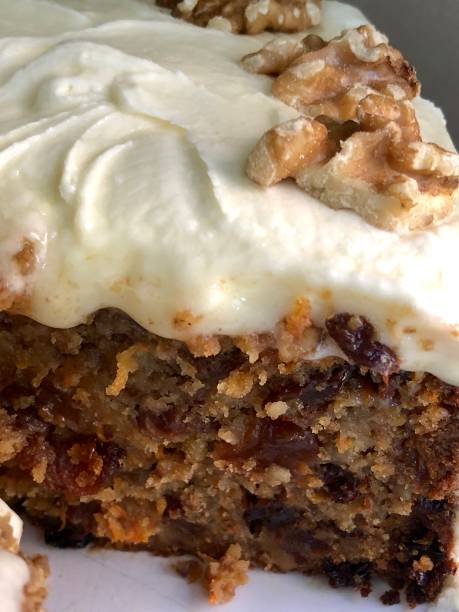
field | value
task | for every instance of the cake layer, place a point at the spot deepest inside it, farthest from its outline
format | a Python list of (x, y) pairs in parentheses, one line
[(118, 435), (124, 135)]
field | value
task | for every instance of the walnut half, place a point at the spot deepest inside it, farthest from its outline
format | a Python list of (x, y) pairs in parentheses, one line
[(248, 16), (379, 167)]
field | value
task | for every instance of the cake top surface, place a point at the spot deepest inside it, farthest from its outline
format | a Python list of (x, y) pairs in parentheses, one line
[(124, 136)]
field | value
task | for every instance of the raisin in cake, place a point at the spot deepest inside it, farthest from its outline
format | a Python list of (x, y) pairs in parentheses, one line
[(228, 284)]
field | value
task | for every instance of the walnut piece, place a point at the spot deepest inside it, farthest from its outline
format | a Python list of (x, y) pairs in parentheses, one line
[(320, 78), (248, 16), (379, 168), (363, 149), (278, 54), (286, 149)]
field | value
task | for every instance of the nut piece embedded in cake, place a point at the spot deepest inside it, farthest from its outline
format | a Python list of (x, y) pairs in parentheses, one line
[(279, 53), (248, 16), (320, 78)]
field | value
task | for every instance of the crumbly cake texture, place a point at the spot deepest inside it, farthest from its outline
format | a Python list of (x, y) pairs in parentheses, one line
[(307, 448), (363, 149), (346, 468)]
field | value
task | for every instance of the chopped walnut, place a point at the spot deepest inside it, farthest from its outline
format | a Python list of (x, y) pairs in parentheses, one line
[(294, 145), (276, 409), (295, 335), (375, 112), (237, 384), (248, 16), (377, 165), (320, 78)]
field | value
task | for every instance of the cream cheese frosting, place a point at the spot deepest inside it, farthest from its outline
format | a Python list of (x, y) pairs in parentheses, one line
[(14, 571), (124, 135)]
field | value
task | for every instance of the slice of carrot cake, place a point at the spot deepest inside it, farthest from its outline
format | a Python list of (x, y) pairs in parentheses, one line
[(229, 314)]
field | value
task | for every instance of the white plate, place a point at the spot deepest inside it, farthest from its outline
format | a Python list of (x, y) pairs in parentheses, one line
[(111, 581)]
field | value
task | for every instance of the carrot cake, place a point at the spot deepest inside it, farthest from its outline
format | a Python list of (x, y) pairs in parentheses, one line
[(229, 317)]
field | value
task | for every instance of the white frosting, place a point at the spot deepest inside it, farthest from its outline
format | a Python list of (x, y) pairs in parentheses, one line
[(123, 139), (14, 572), (14, 575)]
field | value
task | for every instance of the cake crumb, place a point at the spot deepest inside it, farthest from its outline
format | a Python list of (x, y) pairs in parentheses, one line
[(262, 377), (276, 475), (39, 470), (126, 363), (383, 470), (223, 576), (424, 564), (228, 435), (12, 441), (276, 409), (203, 346)]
